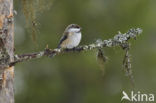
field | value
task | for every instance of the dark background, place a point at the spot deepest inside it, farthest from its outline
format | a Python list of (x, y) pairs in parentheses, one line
[(76, 77)]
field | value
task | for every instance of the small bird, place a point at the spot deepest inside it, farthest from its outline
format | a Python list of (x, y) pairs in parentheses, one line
[(71, 37)]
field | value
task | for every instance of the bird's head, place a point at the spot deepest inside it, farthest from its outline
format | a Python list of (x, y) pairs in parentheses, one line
[(73, 28)]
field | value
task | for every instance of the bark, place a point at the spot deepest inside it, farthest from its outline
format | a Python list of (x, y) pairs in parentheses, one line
[(6, 51)]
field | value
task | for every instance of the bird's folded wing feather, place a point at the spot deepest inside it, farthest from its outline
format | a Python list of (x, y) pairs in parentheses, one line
[(64, 37)]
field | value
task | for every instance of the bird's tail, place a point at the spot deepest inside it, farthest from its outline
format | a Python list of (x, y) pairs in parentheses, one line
[(58, 47)]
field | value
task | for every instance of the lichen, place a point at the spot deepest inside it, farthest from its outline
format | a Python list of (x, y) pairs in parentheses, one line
[(31, 10)]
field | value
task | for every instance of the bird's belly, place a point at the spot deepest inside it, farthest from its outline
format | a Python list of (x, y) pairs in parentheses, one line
[(74, 40)]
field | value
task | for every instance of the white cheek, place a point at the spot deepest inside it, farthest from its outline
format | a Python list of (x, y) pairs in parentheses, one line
[(74, 30)]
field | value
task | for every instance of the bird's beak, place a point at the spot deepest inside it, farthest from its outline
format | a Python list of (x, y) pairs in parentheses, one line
[(80, 28)]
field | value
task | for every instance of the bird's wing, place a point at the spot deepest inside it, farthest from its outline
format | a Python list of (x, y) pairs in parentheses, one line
[(64, 37)]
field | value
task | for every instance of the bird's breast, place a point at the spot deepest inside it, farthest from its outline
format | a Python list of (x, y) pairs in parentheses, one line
[(76, 38), (73, 40)]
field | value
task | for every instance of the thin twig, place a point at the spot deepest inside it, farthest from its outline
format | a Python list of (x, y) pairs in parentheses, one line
[(118, 40)]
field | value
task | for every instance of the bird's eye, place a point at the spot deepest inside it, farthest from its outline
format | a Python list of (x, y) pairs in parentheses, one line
[(77, 27)]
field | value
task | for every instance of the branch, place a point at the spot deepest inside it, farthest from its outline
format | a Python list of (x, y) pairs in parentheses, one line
[(118, 40)]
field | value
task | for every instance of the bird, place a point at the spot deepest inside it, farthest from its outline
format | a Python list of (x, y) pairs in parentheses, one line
[(71, 37)]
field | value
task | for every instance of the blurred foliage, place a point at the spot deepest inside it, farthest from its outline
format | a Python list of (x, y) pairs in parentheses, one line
[(31, 10), (76, 77)]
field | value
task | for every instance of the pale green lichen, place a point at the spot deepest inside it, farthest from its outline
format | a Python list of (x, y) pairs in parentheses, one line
[(108, 43), (133, 33), (40, 54)]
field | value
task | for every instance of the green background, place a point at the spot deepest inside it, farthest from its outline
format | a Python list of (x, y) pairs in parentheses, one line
[(76, 77)]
